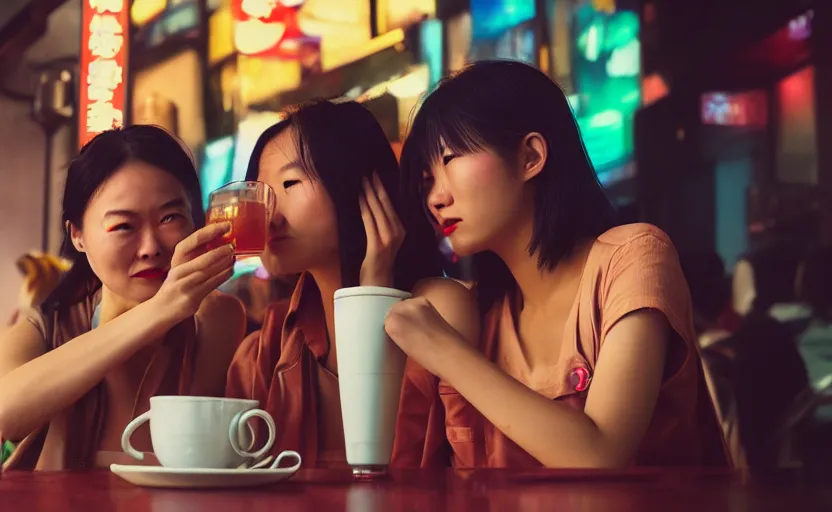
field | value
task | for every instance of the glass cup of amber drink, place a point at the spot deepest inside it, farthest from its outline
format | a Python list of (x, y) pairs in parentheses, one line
[(248, 206)]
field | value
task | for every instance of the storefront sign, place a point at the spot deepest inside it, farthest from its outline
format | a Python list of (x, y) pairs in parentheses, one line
[(104, 41)]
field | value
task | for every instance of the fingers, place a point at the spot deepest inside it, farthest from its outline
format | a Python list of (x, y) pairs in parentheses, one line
[(203, 263), (201, 237), (369, 223), (387, 223), (214, 282), (384, 200)]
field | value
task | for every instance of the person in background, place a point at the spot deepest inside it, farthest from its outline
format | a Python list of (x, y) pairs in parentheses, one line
[(340, 221), (814, 289), (710, 293), (135, 316), (760, 362), (588, 356)]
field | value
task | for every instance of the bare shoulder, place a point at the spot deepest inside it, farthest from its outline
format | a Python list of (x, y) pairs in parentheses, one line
[(221, 316), (221, 326), (455, 302), (19, 345), (444, 290), (219, 307)]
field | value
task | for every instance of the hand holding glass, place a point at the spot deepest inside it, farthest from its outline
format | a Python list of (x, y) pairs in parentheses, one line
[(248, 206)]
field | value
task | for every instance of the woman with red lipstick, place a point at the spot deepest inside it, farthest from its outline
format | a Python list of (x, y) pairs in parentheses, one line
[(339, 222), (588, 356), (135, 316)]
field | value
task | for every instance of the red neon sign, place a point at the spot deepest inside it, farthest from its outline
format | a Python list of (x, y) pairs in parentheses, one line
[(104, 41), (270, 28)]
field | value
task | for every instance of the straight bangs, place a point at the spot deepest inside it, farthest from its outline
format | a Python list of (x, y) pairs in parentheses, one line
[(439, 125)]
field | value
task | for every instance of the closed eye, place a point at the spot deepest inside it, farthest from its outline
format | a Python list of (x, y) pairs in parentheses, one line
[(120, 227), (171, 217)]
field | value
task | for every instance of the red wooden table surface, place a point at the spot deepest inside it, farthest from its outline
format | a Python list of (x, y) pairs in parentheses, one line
[(422, 490)]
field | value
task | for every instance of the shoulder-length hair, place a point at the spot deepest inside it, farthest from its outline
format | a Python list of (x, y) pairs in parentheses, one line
[(339, 144), (494, 105)]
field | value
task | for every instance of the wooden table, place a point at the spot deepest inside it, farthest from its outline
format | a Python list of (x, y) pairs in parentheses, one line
[(422, 490)]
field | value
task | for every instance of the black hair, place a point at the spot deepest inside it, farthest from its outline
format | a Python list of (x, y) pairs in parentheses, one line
[(339, 144), (98, 160), (495, 104)]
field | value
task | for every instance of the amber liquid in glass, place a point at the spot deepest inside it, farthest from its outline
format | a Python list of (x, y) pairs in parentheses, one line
[(248, 226)]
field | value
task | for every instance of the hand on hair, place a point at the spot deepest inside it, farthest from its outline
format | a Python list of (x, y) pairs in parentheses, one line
[(385, 234), (196, 271)]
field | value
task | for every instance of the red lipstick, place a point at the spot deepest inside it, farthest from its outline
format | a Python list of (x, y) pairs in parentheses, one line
[(449, 227), (152, 273)]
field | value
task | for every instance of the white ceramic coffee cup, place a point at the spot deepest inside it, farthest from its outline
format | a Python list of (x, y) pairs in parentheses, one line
[(199, 432), (370, 372)]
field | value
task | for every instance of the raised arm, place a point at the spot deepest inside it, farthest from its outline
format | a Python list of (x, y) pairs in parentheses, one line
[(36, 384)]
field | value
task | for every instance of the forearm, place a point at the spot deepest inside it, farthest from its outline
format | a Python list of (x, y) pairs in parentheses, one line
[(553, 433), (35, 392)]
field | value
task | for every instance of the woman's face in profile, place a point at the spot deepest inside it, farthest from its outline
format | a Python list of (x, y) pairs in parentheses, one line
[(131, 227), (475, 198), (303, 232)]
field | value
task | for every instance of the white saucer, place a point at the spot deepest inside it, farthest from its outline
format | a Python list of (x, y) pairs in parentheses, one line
[(196, 478)]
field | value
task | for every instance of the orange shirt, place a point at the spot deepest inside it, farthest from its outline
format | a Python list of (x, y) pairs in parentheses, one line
[(628, 268)]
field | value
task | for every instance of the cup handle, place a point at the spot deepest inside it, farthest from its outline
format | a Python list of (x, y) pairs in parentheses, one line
[(283, 455), (128, 433), (241, 419)]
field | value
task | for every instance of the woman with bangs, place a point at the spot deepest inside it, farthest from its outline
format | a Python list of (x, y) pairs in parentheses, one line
[(340, 221), (588, 354)]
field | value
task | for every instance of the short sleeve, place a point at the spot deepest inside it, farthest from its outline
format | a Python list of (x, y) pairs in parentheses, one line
[(36, 317), (644, 273)]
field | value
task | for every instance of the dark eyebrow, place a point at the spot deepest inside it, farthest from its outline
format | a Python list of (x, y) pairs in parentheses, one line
[(122, 213), (173, 203)]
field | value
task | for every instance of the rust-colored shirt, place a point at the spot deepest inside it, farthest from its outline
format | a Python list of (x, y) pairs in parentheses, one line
[(628, 268), (73, 439), (282, 366)]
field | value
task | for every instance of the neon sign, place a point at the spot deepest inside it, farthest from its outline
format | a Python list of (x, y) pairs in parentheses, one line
[(737, 109), (103, 57)]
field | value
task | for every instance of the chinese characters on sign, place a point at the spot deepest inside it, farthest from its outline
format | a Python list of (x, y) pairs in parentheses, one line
[(103, 61)]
